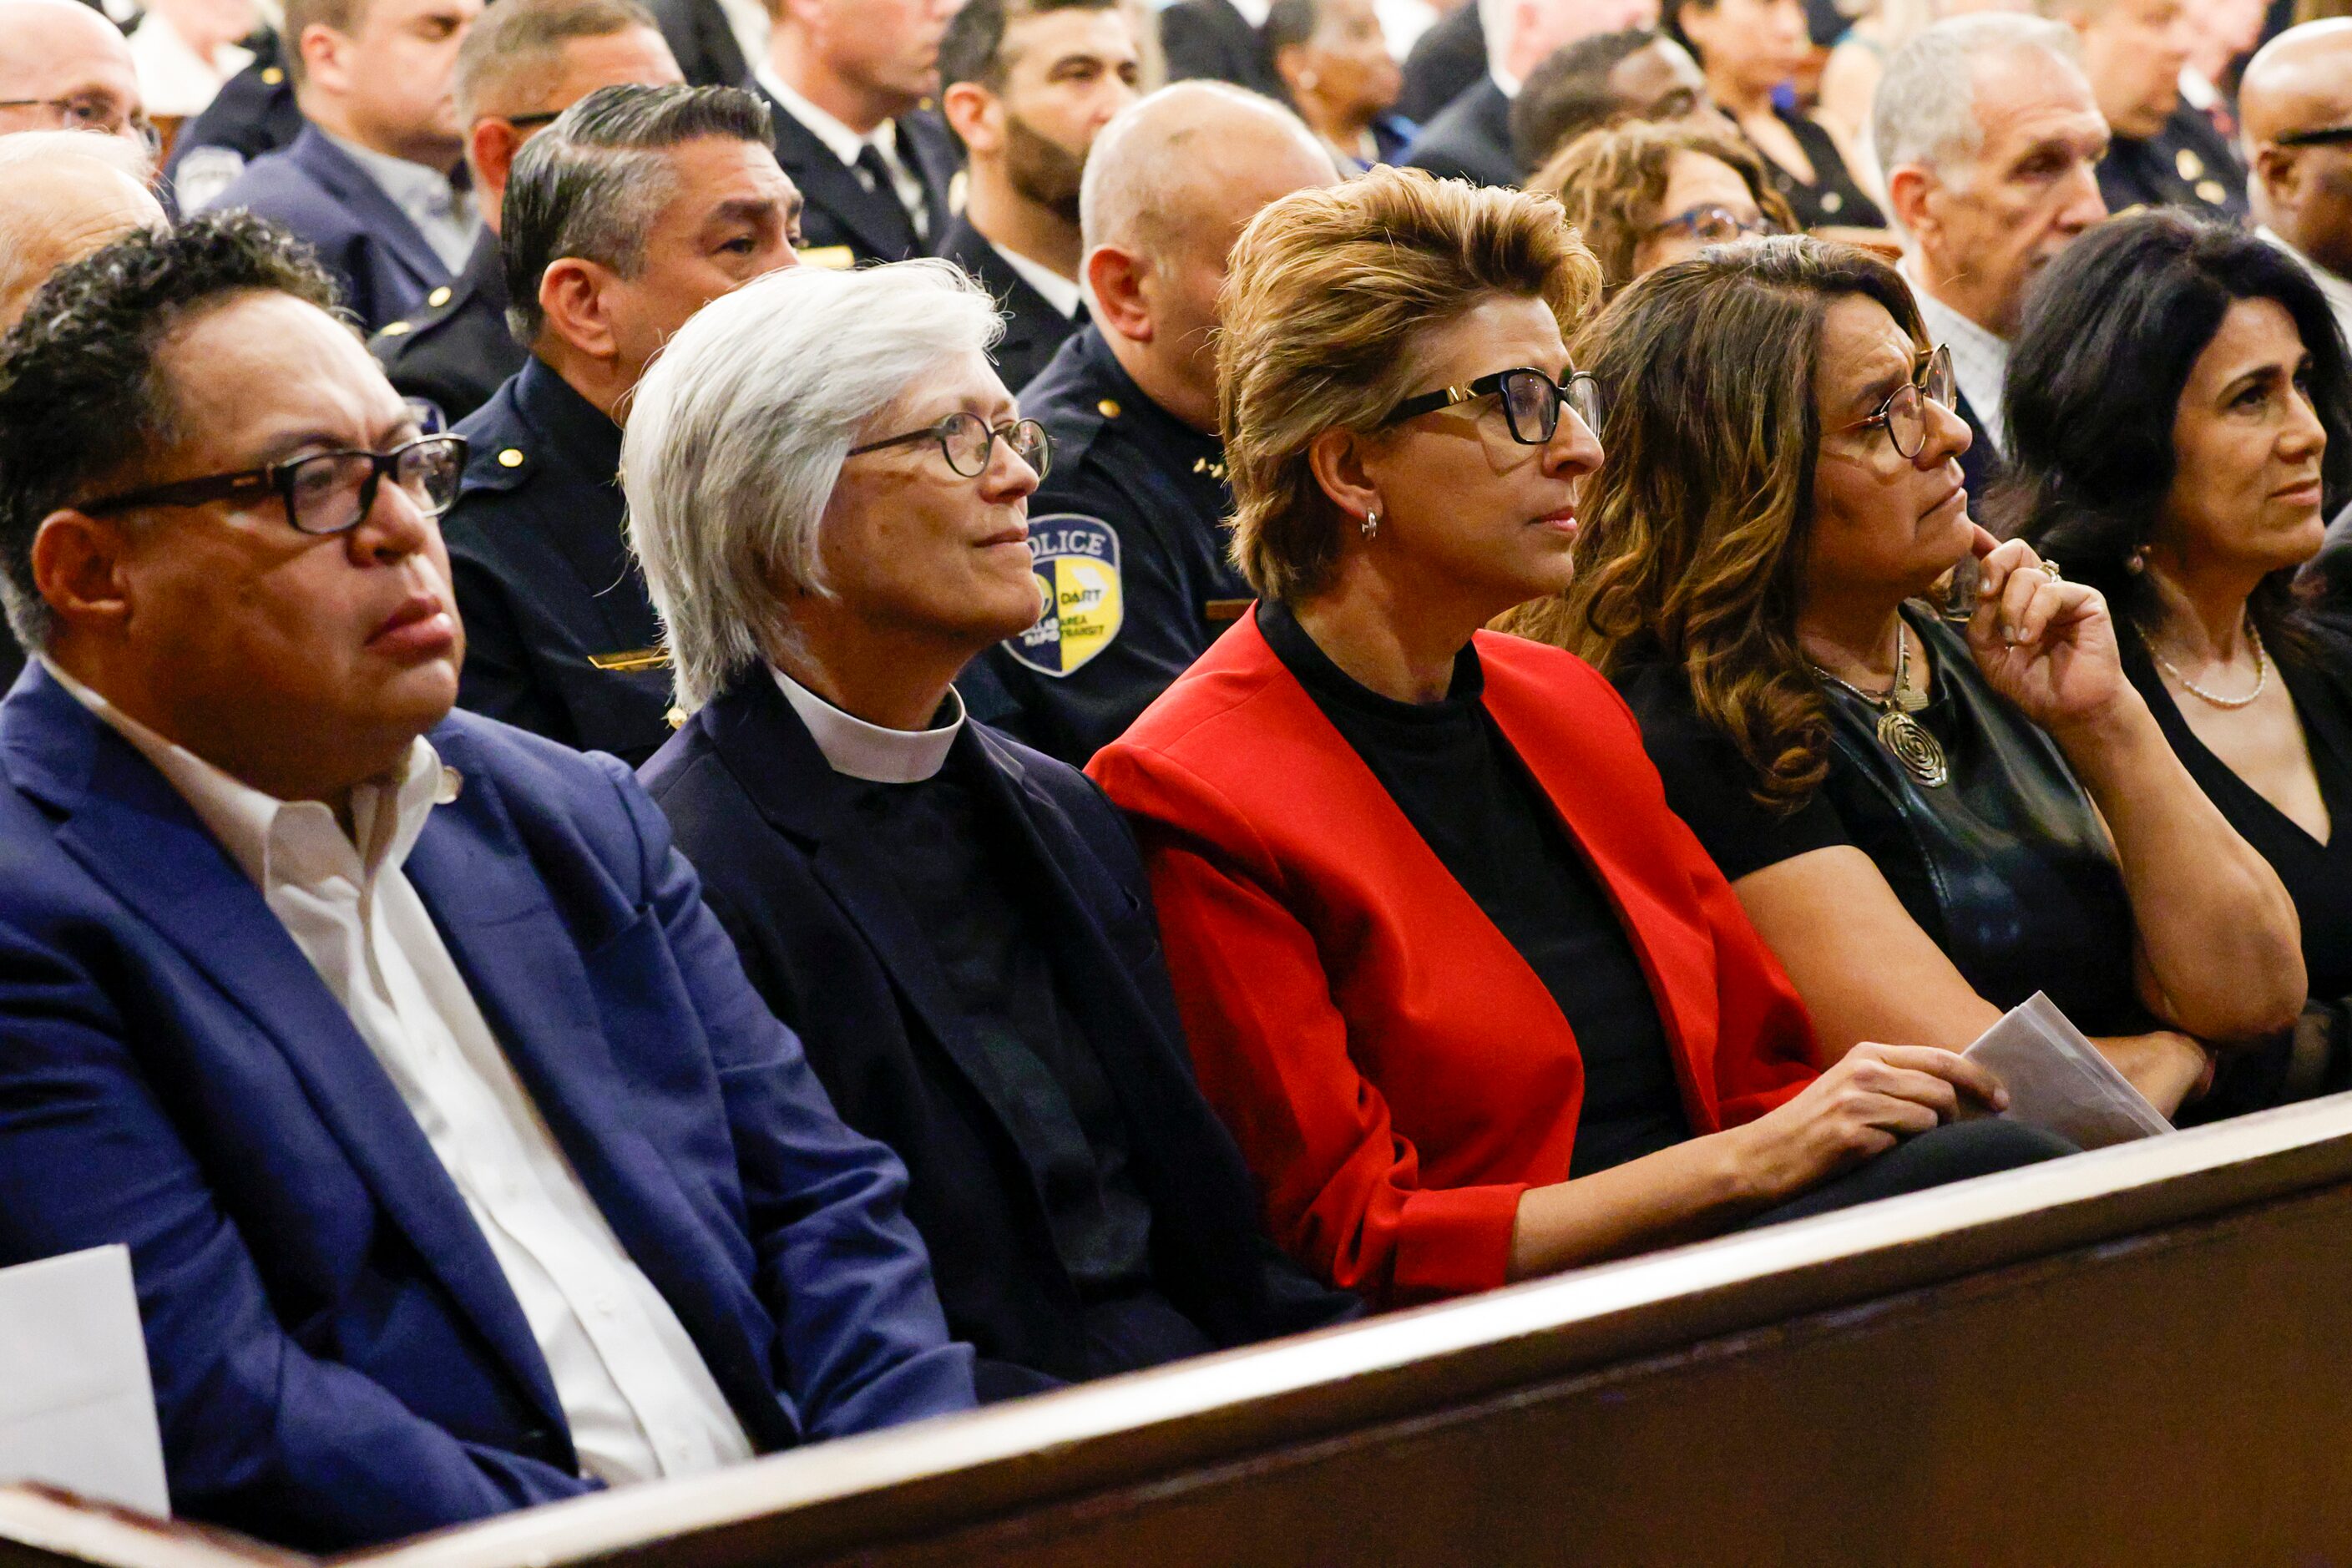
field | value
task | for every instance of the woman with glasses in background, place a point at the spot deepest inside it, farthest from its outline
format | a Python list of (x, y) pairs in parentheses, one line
[(1475, 1005), (1928, 819), (829, 488), (1642, 194)]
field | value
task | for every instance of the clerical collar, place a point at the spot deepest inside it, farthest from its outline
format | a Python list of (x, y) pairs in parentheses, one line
[(862, 750)]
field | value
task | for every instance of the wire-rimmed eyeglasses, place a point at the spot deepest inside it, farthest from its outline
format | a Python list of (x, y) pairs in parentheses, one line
[(967, 441)]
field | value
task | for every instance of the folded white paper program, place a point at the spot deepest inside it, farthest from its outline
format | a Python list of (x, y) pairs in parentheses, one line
[(2058, 1080), (77, 1409)]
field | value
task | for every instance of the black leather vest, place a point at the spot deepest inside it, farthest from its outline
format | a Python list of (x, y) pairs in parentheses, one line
[(2005, 865)]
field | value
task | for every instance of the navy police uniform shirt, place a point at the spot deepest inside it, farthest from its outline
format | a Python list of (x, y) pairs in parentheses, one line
[(2189, 164), (561, 637), (253, 113), (1130, 533), (457, 352)]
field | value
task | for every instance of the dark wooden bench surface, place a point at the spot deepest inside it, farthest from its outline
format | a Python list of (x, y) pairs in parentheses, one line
[(2139, 1356)]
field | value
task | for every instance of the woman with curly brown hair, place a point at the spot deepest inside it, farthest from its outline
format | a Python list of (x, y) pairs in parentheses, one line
[(1474, 1005), (1915, 814), (1642, 195)]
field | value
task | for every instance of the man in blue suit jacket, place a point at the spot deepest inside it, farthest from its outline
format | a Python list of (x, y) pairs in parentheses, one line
[(461, 1168), (367, 184)]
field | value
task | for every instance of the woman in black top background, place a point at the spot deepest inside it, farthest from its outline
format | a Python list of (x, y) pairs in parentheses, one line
[(1917, 821), (1749, 48), (2171, 396)]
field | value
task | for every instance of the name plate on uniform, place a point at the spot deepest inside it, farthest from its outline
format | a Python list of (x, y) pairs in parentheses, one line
[(632, 660)]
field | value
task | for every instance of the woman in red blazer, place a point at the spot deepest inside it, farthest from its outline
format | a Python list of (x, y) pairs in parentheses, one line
[(1475, 1003)]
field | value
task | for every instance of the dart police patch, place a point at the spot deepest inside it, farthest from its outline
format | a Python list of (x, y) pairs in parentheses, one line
[(1076, 562)]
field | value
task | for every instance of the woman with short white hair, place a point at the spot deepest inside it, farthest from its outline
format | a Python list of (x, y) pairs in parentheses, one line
[(829, 487)]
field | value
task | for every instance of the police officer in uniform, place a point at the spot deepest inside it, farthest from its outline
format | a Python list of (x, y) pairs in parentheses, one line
[(455, 353), (1128, 531), (253, 113), (2166, 152), (562, 638), (2187, 164), (1129, 536), (523, 63)]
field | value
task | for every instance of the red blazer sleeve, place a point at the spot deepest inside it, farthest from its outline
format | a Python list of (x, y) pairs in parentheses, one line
[(1341, 1190)]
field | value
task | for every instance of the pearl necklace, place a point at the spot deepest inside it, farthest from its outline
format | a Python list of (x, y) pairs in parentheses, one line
[(2261, 671)]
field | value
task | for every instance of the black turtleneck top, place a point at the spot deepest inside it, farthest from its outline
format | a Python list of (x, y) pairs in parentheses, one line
[(1453, 774)]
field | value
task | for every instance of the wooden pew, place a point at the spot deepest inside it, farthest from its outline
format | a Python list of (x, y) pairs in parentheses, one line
[(2139, 1356)]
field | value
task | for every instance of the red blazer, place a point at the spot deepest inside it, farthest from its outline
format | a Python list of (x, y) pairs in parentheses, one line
[(1395, 1073)]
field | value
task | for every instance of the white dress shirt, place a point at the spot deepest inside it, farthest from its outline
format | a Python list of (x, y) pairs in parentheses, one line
[(847, 145), (1057, 291), (429, 198), (1979, 358), (635, 1392), (2337, 290), (862, 750)]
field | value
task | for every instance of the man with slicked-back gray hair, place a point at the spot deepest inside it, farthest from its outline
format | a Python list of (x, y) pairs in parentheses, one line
[(635, 208), (1990, 140), (829, 486)]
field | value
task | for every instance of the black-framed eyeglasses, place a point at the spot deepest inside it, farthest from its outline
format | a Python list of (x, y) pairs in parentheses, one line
[(324, 493), (1713, 223), (95, 112), (1531, 401), (532, 121), (2323, 136), (967, 441), (1904, 413)]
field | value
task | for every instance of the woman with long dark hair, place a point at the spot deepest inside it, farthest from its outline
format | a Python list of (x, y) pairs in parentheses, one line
[(2180, 412), (1928, 822)]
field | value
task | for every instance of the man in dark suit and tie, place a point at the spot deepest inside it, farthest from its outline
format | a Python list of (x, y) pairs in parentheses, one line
[(1992, 141), (368, 183), (1027, 85), (844, 79), (958, 926), (460, 1168)]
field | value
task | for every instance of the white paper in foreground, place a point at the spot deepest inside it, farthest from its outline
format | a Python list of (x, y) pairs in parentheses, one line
[(77, 1409), (2058, 1080)]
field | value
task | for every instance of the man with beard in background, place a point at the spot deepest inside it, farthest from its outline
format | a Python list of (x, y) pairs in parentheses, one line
[(1027, 84)]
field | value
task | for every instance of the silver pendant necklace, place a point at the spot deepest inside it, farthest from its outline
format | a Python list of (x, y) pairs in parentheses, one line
[(1921, 754)]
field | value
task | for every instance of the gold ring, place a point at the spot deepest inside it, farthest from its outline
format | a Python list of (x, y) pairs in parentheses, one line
[(2050, 569)]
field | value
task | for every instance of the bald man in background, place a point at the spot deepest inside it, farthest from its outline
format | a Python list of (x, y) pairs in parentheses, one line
[(1129, 530), (63, 66), (2294, 104), (63, 193)]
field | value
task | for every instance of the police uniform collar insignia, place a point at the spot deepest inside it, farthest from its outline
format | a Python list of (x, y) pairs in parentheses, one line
[(1083, 603)]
